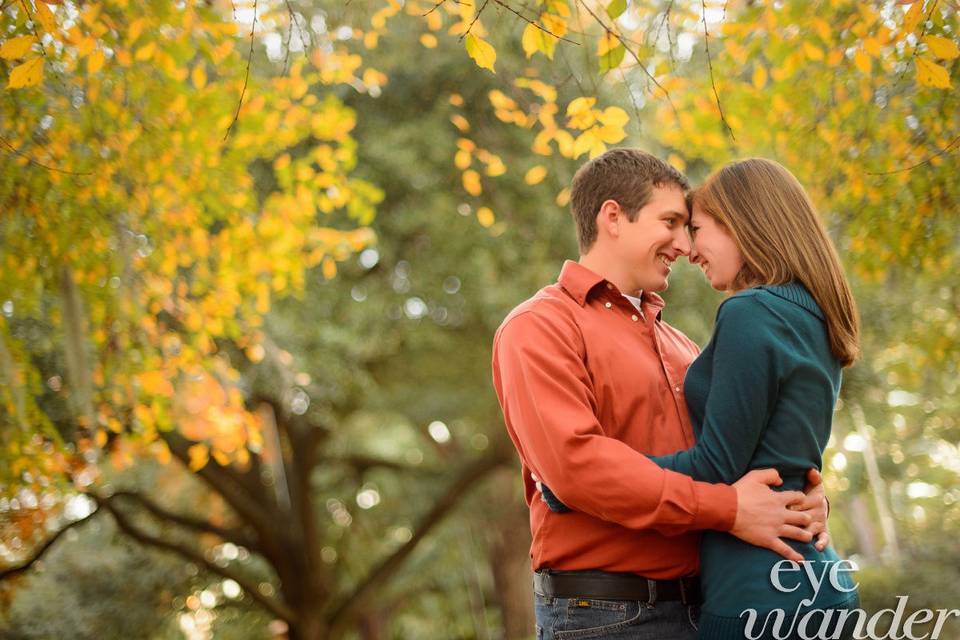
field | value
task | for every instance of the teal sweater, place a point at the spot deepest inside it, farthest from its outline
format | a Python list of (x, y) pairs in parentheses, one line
[(760, 395)]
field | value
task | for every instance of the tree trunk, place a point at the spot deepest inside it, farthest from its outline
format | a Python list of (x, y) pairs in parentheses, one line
[(510, 557)]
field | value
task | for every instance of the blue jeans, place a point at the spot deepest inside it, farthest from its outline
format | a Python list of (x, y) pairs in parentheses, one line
[(581, 618)]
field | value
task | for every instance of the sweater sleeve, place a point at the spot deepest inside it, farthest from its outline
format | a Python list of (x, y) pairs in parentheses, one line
[(747, 360), (547, 397)]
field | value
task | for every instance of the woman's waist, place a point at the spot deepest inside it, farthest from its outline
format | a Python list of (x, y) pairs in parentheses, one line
[(737, 575)]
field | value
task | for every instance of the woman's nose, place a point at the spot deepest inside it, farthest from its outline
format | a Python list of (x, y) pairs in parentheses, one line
[(694, 254)]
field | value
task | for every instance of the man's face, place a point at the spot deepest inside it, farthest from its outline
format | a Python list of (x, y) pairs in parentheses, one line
[(649, 245)]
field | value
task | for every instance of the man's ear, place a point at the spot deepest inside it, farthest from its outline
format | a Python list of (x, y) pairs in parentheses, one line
[(609, 218)]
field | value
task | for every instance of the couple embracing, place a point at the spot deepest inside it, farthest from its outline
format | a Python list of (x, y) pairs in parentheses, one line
[(669, 488)]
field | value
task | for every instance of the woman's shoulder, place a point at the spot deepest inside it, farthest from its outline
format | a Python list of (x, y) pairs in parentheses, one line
[(772, 302)]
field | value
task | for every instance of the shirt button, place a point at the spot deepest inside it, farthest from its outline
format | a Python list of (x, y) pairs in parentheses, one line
[(634, 317), (677, 389), (607, 305), (609, 286)]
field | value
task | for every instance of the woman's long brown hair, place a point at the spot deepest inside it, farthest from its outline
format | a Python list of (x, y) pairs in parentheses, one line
[(776, 228)]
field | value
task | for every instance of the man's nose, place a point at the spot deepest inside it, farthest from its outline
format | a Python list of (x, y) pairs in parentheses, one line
[(681, 242)]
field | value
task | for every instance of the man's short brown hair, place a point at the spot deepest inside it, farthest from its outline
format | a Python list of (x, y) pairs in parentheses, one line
[(627, 176)]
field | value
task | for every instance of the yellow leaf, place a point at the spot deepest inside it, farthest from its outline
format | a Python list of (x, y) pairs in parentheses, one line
[(466, 144), (28, 74), (942, 48), (101, 438), (221, 458), (835, 57), (460, 122), (471, 182), (584, 142), (556, 25), (862, 61), (564, 142), (931, 74), (199, 456), (607, 42), (199, 76), (500, 100), (609, 135), (813, 52), (872, 46), (329, 268), (86, 46), (462, 159), (370, 39), (614, 117), (559, 7), (530, 40), (15, 48), (146, 51), (913, 17), (135, 29), (155, 383), (535, 175), (95, 61), (485, 217), (495, 167), (481, 51), (759, 76), (456, 99), (563, 198), (45, 17), (579, 105), (428, 40)]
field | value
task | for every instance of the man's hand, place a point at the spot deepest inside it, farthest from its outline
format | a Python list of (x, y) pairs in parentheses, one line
[(764, 515), (816, 506)]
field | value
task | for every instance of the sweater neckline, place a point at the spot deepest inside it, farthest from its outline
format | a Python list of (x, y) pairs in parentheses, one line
[(796, 293)]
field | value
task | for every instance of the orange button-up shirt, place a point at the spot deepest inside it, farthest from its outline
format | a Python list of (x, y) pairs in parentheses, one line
[(588, 386)]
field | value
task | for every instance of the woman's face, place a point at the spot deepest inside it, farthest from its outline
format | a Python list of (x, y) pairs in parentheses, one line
[(713, 249)]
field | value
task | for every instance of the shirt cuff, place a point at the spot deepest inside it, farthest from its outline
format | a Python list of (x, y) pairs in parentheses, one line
[(717, 506)]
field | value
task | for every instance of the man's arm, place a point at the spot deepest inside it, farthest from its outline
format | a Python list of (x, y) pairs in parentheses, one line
[(546, 394)]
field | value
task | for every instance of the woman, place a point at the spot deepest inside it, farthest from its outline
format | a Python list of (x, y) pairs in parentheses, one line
[(762, 392)]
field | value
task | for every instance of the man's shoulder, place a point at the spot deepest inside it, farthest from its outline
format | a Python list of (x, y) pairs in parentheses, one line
[(550, 307)]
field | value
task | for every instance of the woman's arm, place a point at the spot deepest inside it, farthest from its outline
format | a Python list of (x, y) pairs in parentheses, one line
[(747, 360)]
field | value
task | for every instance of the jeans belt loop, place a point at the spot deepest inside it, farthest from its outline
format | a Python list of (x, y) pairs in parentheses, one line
[(683, 592), (652, 588)]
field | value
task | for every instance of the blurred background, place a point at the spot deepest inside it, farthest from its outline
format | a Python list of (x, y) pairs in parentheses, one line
[(250, 284)]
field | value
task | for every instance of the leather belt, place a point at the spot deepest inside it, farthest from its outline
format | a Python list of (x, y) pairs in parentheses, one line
[(602, 585)]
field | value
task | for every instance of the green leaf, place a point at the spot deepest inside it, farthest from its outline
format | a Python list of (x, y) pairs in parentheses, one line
[(612, 58), (616, 8)]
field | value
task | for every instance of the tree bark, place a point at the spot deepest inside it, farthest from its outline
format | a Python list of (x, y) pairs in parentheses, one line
[(510, 557)]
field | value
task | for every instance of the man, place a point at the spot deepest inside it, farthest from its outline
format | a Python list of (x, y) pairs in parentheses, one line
[(590, 379)]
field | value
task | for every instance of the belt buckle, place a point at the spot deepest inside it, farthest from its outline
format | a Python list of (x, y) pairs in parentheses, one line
[(651, 592)]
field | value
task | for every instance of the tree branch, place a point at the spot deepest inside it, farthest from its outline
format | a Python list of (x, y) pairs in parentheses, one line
[(467, 480), (249, 507), (274, 606), (713, 82), (246, 77), (38, 553), (190, 522), (940, 152)]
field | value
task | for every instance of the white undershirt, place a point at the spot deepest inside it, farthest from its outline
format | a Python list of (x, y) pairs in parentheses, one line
[(636, 302)]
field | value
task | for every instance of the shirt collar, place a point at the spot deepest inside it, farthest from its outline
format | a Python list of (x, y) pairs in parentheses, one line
[(579, 282)]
